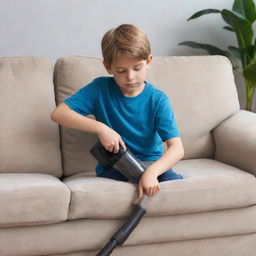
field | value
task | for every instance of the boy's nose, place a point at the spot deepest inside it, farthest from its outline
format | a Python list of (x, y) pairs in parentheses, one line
[(130, 75)]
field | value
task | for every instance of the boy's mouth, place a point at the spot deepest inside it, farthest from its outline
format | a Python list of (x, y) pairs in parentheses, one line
[(134, 84)]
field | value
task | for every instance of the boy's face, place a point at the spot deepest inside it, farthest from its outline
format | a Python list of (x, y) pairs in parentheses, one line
[(129, 74)]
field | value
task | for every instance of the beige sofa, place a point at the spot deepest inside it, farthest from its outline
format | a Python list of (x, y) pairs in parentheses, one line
[(51, 203)]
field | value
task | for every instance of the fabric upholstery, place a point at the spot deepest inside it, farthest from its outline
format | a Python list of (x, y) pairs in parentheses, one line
[(86, 234), (70, 74), (219, 186), (186, 80), (239, 245), (29, 199), (210, 212), (238, 133), (29, 139), (198, 87)]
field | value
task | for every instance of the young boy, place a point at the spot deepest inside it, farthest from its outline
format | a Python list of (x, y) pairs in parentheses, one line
[(129, 111)]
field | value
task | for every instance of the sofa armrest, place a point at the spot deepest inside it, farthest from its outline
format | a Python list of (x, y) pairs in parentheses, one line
[(235, 141)]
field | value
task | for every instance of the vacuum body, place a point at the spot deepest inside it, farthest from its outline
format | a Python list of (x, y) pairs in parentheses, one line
[(124, 161), (132, 168)]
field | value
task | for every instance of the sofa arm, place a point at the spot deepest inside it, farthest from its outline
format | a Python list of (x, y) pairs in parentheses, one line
[(235, 141)]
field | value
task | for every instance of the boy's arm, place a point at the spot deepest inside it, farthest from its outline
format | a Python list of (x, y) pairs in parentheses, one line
[(174, 153), (67, 117)]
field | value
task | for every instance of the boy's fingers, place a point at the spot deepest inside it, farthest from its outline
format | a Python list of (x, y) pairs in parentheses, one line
[(152, 191), (148, 192), (109, 148), (116, 148), (140, 191), (122, 144)]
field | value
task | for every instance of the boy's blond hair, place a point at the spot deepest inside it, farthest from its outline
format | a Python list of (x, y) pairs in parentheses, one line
[(125, 40)]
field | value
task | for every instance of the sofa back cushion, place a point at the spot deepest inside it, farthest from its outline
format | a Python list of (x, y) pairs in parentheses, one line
[(29, 140), (201, 89)]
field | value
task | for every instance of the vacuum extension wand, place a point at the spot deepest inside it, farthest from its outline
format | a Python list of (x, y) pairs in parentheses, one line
[(132, 168)]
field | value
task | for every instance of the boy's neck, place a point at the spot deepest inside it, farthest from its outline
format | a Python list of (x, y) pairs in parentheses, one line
[(134, 93)]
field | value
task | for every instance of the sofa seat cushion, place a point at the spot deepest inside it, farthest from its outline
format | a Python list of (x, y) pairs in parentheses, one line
[(91, 234), (208, 185), (29, 199)]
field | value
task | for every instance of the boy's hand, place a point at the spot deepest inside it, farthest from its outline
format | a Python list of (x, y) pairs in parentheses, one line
[(110, 139), (148, 184)]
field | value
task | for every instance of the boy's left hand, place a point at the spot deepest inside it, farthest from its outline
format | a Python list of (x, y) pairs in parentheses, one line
[(148, 184)]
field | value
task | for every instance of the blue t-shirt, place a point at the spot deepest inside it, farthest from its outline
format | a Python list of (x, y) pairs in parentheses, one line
[(143, 121)]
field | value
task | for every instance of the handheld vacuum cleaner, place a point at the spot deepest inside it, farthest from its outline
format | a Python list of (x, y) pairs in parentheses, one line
[(132, 168)]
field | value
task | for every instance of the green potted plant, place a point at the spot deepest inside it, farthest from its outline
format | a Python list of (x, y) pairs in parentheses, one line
[(243, 56)]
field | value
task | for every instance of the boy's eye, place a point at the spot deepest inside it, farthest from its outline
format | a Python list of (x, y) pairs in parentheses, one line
[(120, 71)]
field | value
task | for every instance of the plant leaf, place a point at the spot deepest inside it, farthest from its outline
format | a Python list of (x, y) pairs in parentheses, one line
[(250, 72), (229, 28), (245, 55), (203, 12), (254, 49), (246, 8), (213, 50), (250, 51), (241, 25), (236, 52), (234, 60)]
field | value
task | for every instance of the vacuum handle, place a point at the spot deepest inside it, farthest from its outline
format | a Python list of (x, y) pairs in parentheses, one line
[(123, 233), (106, 158), (108, 248)]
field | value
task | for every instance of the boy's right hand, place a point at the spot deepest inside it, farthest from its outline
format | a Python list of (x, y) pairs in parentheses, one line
[(110, 139)]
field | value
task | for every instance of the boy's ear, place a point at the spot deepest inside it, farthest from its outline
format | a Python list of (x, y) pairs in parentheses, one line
[(150, 58), (107, 67)]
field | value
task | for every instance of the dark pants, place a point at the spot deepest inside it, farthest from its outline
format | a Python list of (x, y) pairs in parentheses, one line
[(116, 175)]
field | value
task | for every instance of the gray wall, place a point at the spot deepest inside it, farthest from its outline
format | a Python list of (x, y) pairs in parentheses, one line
[(55, 28)]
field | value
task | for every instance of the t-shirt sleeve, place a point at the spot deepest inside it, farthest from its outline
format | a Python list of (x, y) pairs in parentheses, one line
[(165, 121), (83, 101)]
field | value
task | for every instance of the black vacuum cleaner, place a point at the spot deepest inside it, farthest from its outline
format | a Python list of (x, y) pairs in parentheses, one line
[(132, 168)]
